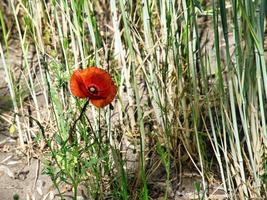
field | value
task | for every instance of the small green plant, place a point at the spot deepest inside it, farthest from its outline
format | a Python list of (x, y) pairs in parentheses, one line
[(200, 194), (15, 197), (164, 156)]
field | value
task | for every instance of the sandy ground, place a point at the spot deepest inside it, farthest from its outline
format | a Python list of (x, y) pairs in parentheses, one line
[(18, 175)]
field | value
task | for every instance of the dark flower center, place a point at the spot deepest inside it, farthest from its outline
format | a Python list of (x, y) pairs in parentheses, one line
[(92, 90)]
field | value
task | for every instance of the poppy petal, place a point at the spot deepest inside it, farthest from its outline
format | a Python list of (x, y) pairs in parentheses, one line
[(100, 103), (77, 86), (99, 78)]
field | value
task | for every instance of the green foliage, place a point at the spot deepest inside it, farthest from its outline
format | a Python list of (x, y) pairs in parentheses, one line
[(15, 197)]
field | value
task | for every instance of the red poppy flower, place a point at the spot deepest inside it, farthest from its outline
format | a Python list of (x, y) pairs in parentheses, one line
[(93, 83)]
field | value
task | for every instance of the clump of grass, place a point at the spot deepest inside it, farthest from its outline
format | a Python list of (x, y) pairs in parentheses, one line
[(202, 106)]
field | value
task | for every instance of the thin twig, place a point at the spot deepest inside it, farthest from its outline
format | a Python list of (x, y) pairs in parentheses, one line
[(36, 174)]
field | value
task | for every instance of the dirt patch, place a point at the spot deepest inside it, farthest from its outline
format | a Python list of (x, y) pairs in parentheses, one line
[(19, 175)]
